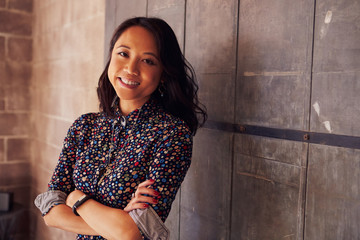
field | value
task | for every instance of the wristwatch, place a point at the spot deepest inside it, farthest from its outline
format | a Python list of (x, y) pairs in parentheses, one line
[(79, 203)]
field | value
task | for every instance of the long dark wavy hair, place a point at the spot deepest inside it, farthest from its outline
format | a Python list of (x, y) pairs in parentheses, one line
[(179, 86)]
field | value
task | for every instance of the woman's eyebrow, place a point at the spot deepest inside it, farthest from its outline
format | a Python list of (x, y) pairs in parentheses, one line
[(152, 54), (124, 46), (147, 53)]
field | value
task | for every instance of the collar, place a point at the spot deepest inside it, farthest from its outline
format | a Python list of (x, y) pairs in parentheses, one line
[(150, 108)]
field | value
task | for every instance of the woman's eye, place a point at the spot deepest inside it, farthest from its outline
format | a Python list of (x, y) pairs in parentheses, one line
[(123, 54), (149, 61)]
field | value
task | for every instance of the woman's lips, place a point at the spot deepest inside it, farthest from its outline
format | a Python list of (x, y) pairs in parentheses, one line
[(128, 82)]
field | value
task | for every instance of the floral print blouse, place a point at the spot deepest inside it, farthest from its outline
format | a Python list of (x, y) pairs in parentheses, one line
[(107, 158)]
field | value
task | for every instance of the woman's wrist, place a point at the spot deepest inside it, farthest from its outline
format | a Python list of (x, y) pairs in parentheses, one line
[(73, 197), (79, 202)]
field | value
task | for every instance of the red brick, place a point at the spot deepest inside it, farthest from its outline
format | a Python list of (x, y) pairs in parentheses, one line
[(2, 48), (15, 23), (17, 74), (2, 75), (14, 124), (20, 49), (18, 149), (23, 5), (21, 194), (18, 98), (2, 150), (2, 101), (14, 174)]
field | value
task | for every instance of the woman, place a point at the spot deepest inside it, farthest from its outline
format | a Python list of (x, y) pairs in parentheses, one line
[(120, 169)]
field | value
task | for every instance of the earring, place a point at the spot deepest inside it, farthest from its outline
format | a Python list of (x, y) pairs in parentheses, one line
[(161, 89)]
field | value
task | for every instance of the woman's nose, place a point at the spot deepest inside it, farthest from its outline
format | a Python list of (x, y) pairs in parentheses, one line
[(132, 67)]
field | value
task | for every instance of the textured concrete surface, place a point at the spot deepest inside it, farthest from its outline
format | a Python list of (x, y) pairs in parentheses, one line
[(278, 64)]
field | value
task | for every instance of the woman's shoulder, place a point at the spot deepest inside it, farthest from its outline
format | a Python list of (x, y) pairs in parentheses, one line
[(170, 123), (88, 120), (88, 117)]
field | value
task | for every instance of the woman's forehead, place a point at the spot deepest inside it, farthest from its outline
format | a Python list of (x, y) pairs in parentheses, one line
[(137, 37)]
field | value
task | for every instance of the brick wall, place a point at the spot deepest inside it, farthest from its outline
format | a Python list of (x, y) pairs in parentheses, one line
[(15, 76), (68, 50)]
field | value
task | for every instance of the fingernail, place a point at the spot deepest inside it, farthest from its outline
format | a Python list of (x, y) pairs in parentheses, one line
[(156, 193), (146, 205), (152, 180)]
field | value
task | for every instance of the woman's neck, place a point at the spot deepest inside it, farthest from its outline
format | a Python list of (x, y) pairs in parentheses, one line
[(127, 106)]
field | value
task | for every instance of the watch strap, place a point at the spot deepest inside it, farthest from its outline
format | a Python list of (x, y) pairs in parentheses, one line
[(79, 203)]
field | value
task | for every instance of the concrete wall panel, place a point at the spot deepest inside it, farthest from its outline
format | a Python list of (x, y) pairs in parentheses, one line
[(173, 220), (128, 9), (217, 91), (173, 12), (337, 36), (268, 188), (273, 101), (266, 211), (119, 11), (289, 152), (275, 36), (333, 202), (335, 103), (210, 46), (336, 68), (274, 60), (205, 196), (110, 25), (332, 209)]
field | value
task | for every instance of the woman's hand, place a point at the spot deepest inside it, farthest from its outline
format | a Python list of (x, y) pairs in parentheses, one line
[(139, 201), (73, 197)]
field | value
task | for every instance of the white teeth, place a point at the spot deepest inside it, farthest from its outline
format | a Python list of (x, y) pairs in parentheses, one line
[(128, 82)]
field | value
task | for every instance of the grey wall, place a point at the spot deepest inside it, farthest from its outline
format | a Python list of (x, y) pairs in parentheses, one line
[(270, 73)]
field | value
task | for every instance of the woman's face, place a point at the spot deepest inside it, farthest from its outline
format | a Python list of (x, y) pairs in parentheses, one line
[(135, 68)]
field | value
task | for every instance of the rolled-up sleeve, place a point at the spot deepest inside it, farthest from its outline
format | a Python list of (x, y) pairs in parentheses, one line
[(45, 201), (150, 224)]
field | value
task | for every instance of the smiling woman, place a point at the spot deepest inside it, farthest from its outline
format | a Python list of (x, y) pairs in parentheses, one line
[(120, 169), (135, 68)]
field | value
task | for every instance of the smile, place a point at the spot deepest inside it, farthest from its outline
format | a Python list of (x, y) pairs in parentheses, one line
[(128, 82)]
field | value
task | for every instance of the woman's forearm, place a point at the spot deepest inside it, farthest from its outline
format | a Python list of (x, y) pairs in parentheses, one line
[(94, 219), (111, 223), (62, 217)]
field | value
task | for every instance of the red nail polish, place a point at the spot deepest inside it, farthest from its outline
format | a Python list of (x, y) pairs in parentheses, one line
[(145, 205)]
